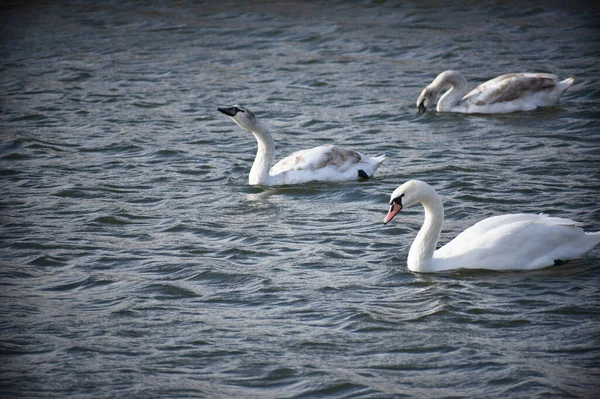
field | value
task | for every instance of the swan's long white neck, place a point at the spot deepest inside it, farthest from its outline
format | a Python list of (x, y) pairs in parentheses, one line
[(458, 89), (265, 155), (420, 256)]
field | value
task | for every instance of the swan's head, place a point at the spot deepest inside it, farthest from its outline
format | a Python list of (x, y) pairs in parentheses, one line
[(410, 193), (427, 99), (430, 94), (242, 116)]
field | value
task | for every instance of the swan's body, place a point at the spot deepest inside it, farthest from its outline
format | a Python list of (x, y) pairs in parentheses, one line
[(506, 242), (507, 93), (323, 163)]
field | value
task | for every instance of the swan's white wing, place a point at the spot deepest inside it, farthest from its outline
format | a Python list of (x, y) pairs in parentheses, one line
[(510, 87), (518, 241)]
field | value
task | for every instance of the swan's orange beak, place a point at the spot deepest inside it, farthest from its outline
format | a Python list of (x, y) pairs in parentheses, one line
[(394, 209)]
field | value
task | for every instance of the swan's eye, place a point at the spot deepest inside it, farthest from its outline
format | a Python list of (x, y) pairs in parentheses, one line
[(398, 200)]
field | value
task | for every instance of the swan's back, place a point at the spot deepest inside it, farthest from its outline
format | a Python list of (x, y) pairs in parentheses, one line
[(516, 92), (517, 241), (325, 163)]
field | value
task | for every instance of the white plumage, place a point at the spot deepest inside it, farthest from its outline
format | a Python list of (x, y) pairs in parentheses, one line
[(323, 163), (506, 93), (506, 242)]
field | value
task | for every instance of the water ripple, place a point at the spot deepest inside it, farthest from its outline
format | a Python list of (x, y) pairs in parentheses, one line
[(137, 258)]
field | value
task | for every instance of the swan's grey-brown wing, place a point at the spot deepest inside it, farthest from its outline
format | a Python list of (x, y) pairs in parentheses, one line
[(318, 158), (510, 87)]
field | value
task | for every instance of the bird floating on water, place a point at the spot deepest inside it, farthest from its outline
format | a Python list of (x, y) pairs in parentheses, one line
[(323, 163), (506, 93), (505, 242)]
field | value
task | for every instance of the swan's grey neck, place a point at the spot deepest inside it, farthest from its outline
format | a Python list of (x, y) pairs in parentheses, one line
[(458, 89), (265, 154), (420, 256)]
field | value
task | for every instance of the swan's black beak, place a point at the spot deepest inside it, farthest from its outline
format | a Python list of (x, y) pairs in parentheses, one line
[(395, 207), (422, 107), (228, 111)]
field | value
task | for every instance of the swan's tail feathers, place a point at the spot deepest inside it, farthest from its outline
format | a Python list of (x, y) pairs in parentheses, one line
[(565, 84), (558, 221), (374, 163), (594, 237), (590, 241), (379, 158)]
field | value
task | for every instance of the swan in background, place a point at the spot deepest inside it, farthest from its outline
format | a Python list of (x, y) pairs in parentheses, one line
[(323, 163), (507, 93), (506, 242)]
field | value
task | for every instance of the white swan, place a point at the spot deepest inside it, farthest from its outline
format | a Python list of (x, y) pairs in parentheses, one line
[(506, 242), (323, 163), (507, 93)]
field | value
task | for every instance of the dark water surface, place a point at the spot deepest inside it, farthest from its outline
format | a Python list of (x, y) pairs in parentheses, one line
[(138, 263)]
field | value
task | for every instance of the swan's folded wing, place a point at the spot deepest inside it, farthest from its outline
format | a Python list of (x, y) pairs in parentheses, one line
[(513, 230), (318, 158), (519, 241), (480, 234), (509, 87)]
